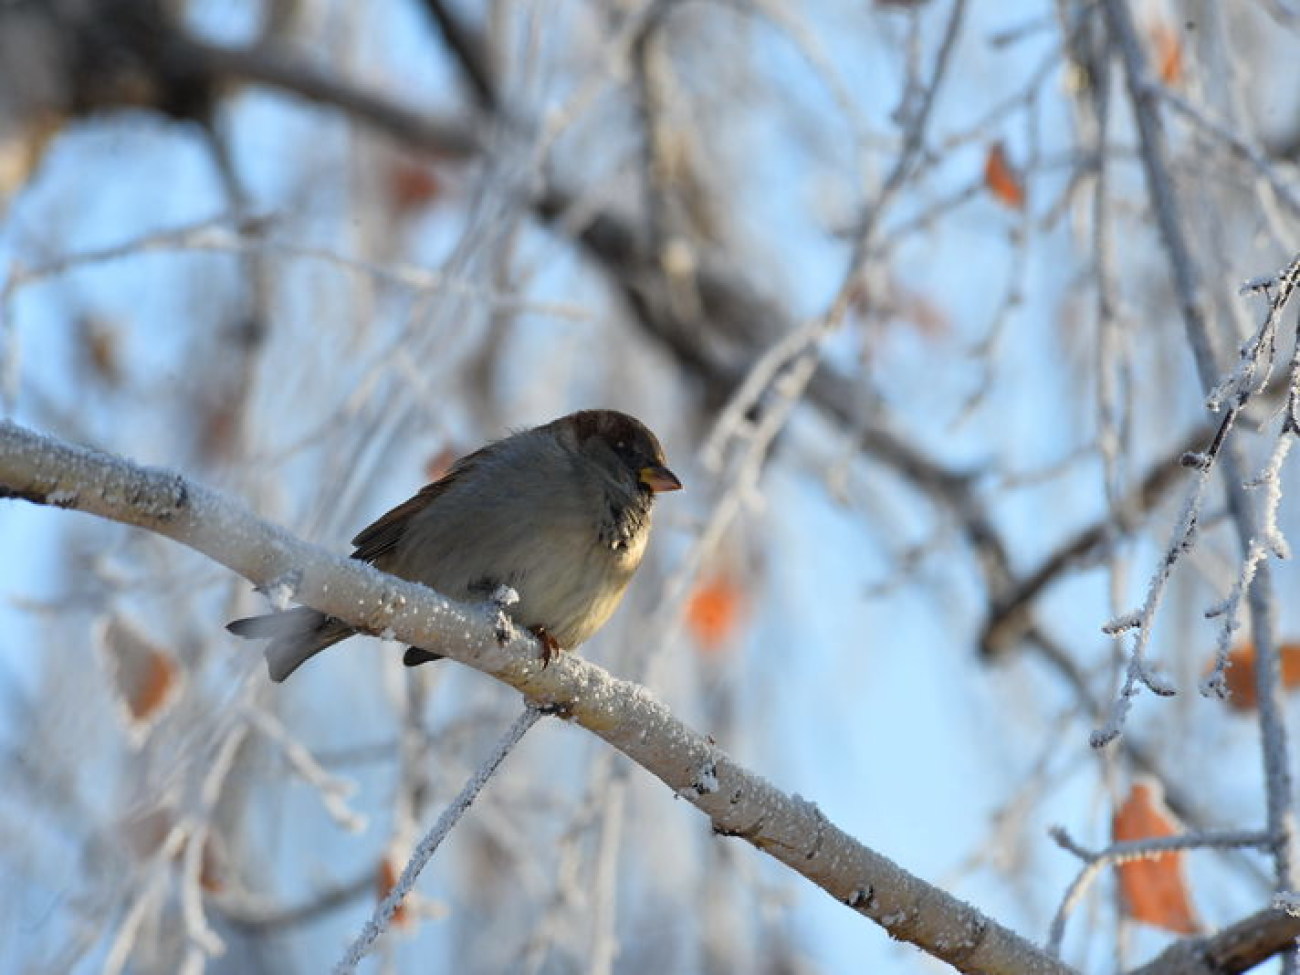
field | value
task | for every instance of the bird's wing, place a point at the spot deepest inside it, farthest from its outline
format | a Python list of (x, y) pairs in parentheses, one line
[(383, 535)]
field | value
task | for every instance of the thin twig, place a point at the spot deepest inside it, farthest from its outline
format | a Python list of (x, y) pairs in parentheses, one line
[(1129, 851), (383, 914)]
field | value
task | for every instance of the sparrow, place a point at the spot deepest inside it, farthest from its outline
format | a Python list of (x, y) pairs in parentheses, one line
[(560, 514)]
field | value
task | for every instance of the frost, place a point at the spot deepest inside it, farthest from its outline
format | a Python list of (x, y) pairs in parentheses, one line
[(862, 898), (1103, 736), (283, 588), (1218, 609), (706, 781), (504, 596), (1121, 624), (1160, 684), (1215, 686), (1288, 901), (1253, 285)]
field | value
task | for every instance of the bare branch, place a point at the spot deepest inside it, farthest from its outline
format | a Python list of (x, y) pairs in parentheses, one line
[(452, 139), (470, 53), (1237, 948), (428, 846)]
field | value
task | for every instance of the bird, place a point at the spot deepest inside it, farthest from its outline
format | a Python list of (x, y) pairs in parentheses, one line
[(558, 515)]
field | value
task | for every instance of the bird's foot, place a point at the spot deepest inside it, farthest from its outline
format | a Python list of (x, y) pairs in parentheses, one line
[(550, 646)]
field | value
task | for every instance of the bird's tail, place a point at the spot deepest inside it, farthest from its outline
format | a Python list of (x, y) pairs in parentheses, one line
[(296, 636)]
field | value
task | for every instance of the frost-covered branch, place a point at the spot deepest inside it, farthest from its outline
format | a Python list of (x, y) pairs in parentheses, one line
[(738, 803), (428, 846), (1127, 851), (1237, 948), (1260, 595)]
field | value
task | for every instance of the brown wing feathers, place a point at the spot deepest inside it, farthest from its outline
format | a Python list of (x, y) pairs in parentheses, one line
[(383, 535)]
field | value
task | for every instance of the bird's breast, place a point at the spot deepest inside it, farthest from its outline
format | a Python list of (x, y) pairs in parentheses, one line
[(569, 560)]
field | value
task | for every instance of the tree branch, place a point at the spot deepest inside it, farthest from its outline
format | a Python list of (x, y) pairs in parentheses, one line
[(738, 803), (221, 63), (1237, 948), (1261, 598), (470, 52)]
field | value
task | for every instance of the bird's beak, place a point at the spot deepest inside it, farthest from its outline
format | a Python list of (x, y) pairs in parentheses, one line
[(659, 478)]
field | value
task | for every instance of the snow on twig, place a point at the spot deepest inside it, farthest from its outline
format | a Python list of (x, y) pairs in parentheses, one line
[(424, 851)]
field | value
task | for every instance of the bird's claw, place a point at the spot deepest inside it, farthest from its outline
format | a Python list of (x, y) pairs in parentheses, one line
[(550, 646)]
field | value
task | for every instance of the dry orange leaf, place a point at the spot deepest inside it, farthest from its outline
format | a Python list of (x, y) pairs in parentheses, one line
[(145, 677), (925, 315), (1154, 888), (212, 870), (1240, 675), (385, 881), (713, 611), (411, 186), (103, 348), (1168, 51), (219, 429), (1001, 179)]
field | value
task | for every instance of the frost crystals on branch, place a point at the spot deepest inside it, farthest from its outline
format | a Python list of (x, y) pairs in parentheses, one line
[(1255, 367), (1258, 357), (378, 923), (1094, 861), (1139, 670)]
